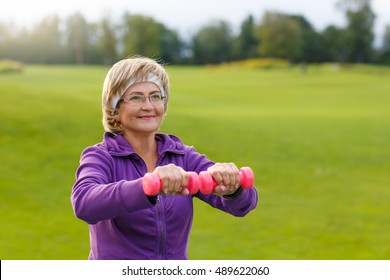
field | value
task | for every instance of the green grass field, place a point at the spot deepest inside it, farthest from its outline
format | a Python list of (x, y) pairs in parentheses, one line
[(317, 142)]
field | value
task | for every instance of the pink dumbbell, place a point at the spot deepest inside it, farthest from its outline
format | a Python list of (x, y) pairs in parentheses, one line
[(207, 182), (151, 183)]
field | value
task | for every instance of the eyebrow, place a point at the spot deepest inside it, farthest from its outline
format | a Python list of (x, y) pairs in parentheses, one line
[(141, 93)]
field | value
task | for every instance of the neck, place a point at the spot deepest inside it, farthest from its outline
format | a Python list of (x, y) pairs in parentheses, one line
[(143, 144)]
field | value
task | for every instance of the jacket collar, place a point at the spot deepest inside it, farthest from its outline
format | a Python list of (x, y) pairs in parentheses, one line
[(118, 146)]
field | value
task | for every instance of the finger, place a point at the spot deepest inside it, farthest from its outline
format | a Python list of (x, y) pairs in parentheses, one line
[(173, 179), (219, 190), (165, 182), (177, 180), (227, 175), (235, 176), (216, 172), (230, 175), (185, 192), (169, 180), (163, 173), (185, 176)]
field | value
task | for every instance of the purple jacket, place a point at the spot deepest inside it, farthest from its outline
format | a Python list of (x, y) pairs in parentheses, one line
[(124, 223)]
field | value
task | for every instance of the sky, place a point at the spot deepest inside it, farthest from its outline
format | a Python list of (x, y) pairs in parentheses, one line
[(187, 16)]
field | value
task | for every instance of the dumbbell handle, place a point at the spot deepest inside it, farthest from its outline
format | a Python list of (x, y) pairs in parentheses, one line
[(207, 182), (151, 183)]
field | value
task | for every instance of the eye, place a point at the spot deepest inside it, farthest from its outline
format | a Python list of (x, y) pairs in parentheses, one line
[(135, 98), (156, 97)]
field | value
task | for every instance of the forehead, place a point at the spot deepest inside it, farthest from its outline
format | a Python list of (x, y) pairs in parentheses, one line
[(142, 87)]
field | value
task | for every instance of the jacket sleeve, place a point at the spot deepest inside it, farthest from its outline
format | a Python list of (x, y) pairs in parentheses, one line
[(238, 205), (96, 197)]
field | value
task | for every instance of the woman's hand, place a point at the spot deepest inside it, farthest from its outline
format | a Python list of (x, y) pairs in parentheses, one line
[(173, 179), (227, 176)]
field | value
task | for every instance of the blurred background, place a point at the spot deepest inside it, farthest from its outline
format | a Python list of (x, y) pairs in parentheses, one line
[(297, 90), (198, 32)]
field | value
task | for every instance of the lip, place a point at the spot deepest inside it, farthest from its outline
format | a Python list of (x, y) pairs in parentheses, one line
[(147, 117)]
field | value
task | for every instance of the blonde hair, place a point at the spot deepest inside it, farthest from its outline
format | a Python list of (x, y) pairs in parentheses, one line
[(135, 70)]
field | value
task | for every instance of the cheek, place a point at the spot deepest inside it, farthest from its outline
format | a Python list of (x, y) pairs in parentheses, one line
[(122, 116), (162, 110)]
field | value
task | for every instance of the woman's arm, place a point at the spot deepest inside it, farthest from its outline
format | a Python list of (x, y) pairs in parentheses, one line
[(96, 197), (229, 198)]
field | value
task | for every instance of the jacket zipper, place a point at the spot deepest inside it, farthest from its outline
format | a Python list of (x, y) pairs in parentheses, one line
[(160, 221), (160, 237)]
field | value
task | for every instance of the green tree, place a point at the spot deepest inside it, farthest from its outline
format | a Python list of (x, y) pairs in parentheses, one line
[(245, 45), (384, 56), (212, 43), (312, 42), (6, 37), (142, 36), (106, 42), (359, 31), (280, 36), (172, 46), (15, 43), (145, 36), (78, 37), (335, 44), (45, 42)]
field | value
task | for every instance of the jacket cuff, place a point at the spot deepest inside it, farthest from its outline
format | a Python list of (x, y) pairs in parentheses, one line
[(237, 193), (238, 198)]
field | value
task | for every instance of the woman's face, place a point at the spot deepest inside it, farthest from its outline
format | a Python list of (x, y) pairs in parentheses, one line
[(140, 111)]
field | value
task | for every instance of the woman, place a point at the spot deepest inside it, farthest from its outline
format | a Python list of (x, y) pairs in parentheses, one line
[(125, 223)]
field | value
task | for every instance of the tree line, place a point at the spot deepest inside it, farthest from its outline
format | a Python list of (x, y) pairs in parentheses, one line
[(277, 35)]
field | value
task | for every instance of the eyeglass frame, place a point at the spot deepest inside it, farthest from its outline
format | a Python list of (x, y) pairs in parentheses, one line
[(127, 99)]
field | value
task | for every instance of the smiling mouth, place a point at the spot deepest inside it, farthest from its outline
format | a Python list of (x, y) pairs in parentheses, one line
[(146, 117)]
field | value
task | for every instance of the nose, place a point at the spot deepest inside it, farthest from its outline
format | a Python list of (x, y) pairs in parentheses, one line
[(147, 104)]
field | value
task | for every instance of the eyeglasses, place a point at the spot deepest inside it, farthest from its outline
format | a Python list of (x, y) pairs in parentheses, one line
[(137, 99)]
